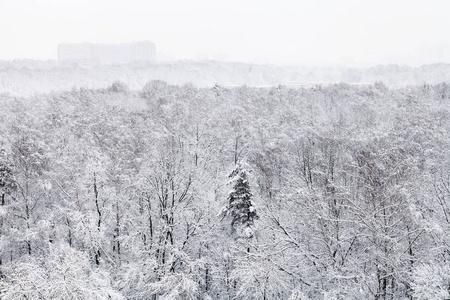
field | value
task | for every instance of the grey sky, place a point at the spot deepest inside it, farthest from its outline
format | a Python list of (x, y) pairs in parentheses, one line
[(321, 32)]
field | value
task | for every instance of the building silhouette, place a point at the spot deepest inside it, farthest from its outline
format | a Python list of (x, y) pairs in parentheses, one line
[(107, 53)]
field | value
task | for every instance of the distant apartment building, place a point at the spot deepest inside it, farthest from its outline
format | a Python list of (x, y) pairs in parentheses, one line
[(108, 53)]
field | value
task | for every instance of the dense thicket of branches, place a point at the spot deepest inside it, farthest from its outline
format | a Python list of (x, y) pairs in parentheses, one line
[(118, 194)]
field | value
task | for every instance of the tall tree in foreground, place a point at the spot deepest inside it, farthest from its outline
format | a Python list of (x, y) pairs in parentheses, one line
[(7, 184), (383, 211)]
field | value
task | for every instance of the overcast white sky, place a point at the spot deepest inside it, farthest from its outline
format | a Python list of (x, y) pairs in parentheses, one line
[(314, 32)]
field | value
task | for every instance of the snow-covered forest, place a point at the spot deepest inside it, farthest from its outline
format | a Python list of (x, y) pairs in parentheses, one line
[(27, 77), (186, 192)]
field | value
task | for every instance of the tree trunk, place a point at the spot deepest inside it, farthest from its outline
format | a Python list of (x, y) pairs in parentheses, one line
[(97, 252), (117, 229), (1, 232)]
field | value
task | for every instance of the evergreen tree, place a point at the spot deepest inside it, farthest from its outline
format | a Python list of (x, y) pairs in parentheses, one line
[(7, 183), (240, 208)]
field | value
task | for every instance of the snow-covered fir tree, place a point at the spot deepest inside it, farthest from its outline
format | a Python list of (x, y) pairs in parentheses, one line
[(6, 174), (7, 183), (240, 208)]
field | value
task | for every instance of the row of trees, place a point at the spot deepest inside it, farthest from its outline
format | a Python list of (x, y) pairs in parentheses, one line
[(27, 77), (337, 192)]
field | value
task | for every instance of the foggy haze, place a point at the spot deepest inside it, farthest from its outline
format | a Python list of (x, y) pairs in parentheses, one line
[(310, 33)]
